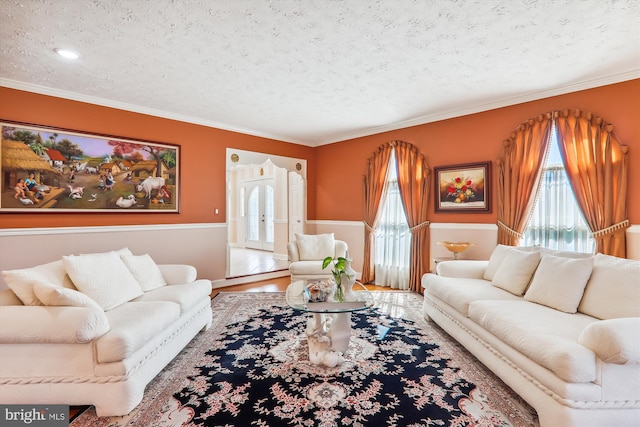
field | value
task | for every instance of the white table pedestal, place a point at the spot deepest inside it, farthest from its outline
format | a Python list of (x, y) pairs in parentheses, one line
[(329, 325), (328, 335)]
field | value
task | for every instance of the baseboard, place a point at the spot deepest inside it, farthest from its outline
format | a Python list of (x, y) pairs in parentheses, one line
[(248, 279)]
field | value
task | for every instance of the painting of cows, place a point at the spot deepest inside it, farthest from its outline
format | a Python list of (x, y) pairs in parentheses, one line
[(46, 169)]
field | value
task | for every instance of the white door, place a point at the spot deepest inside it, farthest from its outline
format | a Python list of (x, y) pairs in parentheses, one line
[(259, 206), (296, 205)]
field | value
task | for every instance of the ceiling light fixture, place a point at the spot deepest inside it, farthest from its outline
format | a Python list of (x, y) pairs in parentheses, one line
[(66, 53)]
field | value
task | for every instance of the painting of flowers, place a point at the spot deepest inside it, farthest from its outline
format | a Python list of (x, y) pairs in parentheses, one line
[(463, 188), (59, 170)]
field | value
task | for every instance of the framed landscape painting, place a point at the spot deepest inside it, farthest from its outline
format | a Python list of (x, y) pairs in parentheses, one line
[(463, 188), (57, 170)]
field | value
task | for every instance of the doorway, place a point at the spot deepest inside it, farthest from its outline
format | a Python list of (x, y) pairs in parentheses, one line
[(266, 205)]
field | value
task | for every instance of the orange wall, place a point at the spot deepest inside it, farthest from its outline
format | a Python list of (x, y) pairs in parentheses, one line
[(472, 138), (335, 171), (202, 165)]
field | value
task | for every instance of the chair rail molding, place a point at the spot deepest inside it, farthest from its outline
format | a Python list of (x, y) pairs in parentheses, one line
[(198, 244)]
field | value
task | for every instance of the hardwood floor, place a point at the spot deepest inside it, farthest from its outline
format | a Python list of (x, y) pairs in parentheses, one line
[(245, 262)]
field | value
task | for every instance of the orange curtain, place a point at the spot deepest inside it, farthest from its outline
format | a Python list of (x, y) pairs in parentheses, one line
[(596, 164), (519, 172), (413, 182), (374, 182)]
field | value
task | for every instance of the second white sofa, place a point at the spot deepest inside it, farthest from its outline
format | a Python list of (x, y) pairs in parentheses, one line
[(563, 332)]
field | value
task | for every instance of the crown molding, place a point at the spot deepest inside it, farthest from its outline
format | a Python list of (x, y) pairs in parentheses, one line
[(73, 96), (479, 108), (429, 118)]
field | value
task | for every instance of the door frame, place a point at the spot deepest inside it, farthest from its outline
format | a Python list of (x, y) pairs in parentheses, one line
[(235, 158)]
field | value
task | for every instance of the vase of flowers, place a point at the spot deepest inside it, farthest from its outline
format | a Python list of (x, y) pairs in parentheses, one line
[(343, 275)]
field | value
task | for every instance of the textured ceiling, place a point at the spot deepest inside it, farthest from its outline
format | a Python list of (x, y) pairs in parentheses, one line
[(316, 71)]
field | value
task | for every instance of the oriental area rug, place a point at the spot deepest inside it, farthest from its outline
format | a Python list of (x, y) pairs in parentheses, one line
[(251, 368)]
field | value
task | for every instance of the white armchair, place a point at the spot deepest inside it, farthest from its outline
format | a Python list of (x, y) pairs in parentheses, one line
[(308, 251)]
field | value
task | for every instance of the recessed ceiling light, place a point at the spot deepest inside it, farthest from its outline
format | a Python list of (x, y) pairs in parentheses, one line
[(66, 53)]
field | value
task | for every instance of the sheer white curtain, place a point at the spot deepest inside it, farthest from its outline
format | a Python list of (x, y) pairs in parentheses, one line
[(556, 221), (393, 238)]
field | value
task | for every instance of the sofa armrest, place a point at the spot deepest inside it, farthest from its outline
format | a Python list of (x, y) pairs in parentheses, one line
[(294, 254), (614, 340), (470, 269), (7, 297), (47, 324), (341, 249), (178, 274)]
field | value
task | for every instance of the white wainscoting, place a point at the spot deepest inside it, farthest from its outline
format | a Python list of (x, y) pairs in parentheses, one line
[(633, 242), (204, 245), (200, 245), (485, 237)]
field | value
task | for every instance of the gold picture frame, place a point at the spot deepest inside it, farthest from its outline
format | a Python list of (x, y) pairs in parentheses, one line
[(464, 188)]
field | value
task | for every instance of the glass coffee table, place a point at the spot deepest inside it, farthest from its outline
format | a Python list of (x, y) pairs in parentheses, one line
[(329, 326)]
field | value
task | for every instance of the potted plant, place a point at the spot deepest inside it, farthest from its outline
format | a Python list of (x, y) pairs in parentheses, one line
[(343, 275)]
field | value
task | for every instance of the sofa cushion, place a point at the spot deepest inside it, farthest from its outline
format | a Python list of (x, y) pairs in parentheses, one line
[(315, 246), (515, 271), (103, 277), (559, 282), (613, 290), (132, 326), (21, 281), (186, 296), (53, 325), (547, 336), (145, 270), (460, 292)]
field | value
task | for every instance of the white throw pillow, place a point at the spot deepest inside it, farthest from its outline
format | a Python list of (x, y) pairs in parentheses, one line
[(315, 246), (496, 258), (613, 290), (103, 277), (57, 296), (515, 271), (559, 282), (96, 324), (145, 270), (123, 251), (21, 281), (498, 254)]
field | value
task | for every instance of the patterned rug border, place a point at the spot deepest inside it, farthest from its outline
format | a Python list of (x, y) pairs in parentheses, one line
[(231, 307)]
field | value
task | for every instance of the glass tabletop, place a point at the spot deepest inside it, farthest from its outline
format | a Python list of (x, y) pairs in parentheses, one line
[(298, 298)]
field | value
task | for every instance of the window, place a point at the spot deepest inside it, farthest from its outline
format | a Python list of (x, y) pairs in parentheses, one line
[(556, 221), (393, 237)]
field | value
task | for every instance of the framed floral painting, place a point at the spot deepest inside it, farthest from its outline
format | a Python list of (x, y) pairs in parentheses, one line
[(44, 169), (463, 188)]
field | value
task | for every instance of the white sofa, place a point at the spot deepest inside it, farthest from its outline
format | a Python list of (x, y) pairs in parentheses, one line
[(95, 329), (308, 251), (561, 329)]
